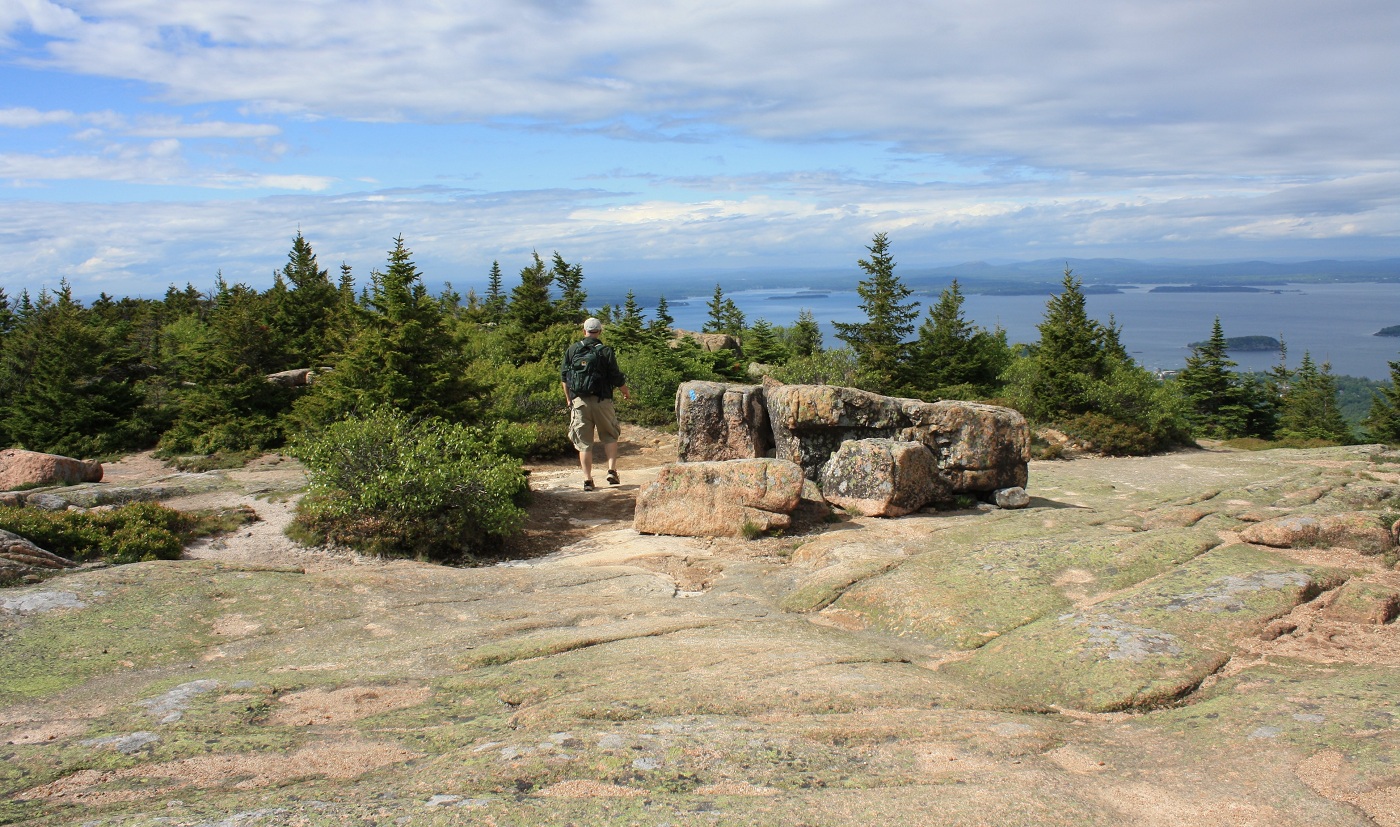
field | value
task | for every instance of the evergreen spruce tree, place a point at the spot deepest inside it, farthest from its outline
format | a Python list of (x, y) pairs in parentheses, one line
[(1382, 422), (1310, 409), (952, 353), (889, 319), (804, 338), (63, 386), (302, 315), (531, 304), (401, 356), (572, 297), (1070, 357), (662, 321), (725, 316), (494, 306), (762, 345), (1213, 390), (630, 328)]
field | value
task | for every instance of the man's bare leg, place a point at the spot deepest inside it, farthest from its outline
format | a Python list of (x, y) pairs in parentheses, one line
[(585, 459)]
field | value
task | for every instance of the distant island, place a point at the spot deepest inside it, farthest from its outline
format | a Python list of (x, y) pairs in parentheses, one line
[(806, 294), (1209, 288), (1393, 330), (1246, 343)]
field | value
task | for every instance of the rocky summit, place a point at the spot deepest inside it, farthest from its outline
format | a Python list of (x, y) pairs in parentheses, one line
[(1202, 637)]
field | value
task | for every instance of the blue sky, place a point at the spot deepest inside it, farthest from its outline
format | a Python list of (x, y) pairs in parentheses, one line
[(145, 143)]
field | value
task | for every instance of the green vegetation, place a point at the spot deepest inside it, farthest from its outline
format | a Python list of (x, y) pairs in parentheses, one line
[(129, 534), (478, 376)]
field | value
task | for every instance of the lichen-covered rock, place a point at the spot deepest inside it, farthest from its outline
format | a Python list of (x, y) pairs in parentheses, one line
[(977, 448), (1364, 531), (720, 499), (1360, 602), (20, 469), (19, 557), (811, 421), (710, 342), (882, 477), (295, 378), (718, 421)]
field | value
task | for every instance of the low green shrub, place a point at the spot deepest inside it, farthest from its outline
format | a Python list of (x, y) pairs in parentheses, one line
[(1112, 437), (392, 485), (129, 534)]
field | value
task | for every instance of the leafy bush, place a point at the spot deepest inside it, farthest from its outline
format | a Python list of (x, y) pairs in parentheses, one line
[(393, 485), (838, 366), (129, 534), (1112, 437)]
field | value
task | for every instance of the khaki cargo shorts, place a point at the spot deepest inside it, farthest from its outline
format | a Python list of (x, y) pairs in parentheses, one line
[(589, 413)]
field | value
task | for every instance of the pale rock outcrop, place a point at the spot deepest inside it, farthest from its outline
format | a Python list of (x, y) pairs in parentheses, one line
[(1364, 531), (720, 499), (882, 477), (978, 448), (296, 378), (710, 342), (19, 469), (19, 558), (718, 421)]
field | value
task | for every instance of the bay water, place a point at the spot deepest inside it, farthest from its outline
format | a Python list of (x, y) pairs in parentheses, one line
[(1334, 322)]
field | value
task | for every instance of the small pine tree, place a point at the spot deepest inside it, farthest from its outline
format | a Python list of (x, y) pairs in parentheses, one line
[(951, 353), (762, 345), (570, 307), (1213, 391), (1383, 421), (1310, 409), (804, 338), (531, 305), (494, 306), (879, 341), (1071, 355), (662, 321), (725, 316)]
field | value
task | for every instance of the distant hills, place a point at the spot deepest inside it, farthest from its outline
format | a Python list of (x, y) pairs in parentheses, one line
[(1040, 277)]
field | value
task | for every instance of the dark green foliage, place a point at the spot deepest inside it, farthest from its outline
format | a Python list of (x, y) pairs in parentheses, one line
[(1079, 373), (630, 327), (952, 357), (762, 345), (1309, 409), (230, 406), (302, 314), (494, 306), (655, 371), (879, 341), (725, 316), (569, 309), (531, 304), (838, 366), (67, 386), (129, 534), (804, 338), (398, 485), (1217, 403), (663, 321), (402, 355), (1383, 421)]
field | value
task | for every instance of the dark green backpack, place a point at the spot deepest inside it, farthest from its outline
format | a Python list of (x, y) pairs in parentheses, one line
[(585, 370)]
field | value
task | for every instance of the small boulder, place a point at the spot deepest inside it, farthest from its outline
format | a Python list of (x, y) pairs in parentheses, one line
[(882, 477), (297, 378), (29, 469), (979, 447), (1363, 531), (710, 342), (736, 498), (718, 421), (1015, 497)]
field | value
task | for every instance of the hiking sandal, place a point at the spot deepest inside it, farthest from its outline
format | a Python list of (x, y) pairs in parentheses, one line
[(588, 485), (613, 479)]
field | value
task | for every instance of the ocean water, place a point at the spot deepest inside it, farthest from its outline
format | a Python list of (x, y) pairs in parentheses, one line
[(1333, 322)]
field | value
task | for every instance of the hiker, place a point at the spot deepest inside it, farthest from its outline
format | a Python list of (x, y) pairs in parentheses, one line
[(589, 374)]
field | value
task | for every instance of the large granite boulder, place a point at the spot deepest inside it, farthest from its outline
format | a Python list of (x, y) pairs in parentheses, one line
[(29, 469), (882, 477), (978, 448), (718, 421), (737, 498)]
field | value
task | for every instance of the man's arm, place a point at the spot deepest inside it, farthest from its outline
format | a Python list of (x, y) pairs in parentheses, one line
[(568, 399)]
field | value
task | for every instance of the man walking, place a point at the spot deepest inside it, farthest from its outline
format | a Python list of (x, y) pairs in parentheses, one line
[(589, 374)]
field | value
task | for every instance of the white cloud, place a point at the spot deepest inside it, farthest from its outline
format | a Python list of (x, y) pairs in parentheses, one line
[(23, 117)]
